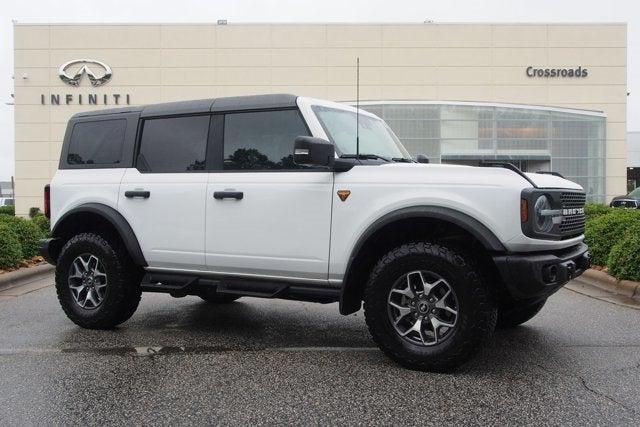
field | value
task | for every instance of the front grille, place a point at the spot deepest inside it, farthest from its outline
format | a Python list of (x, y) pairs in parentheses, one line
[(631, 204), (572, 225)]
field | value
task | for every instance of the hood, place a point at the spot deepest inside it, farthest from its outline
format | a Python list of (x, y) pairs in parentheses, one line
[(473, 175), (626, 197)]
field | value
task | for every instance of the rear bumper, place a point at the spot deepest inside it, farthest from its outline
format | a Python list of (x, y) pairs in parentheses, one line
[(48, 250), (540, 274)]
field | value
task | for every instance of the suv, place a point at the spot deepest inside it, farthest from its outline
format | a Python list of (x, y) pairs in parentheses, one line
[(279, 196)]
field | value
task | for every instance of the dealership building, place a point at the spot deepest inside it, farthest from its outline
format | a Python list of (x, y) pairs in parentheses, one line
[(542, 96)]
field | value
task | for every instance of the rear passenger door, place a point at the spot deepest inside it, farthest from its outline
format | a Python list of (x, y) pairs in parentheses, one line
[(163, 196), (266, 216)]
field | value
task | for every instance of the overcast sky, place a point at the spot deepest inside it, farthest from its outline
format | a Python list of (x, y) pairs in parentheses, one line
[(41, 11)]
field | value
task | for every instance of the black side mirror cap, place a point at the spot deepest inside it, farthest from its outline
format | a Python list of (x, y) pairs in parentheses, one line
[(310, 151), (421, 158)]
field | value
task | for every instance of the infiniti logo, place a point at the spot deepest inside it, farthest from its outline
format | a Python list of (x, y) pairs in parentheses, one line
[(71, 72)]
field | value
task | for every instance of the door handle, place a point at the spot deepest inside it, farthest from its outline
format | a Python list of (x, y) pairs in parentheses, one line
[(137, 194), (220, 195)]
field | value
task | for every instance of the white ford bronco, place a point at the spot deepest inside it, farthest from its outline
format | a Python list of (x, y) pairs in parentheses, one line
[(279, 196)]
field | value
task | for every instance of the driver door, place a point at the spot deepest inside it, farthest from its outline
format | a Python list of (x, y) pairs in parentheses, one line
[(265, 215)]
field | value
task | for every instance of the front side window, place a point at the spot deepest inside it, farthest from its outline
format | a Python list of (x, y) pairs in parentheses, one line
[(375, 136), (262, 140), (174, 144), (97, 143)]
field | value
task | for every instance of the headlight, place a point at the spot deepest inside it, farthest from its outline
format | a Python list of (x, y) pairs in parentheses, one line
[(543, 221)]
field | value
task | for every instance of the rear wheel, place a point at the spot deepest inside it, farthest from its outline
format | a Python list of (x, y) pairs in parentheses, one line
[(98, 285), (427, 307), (515, 315)]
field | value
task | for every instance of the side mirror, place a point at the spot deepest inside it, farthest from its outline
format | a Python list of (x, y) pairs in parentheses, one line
[(310, 151), (421, 158)]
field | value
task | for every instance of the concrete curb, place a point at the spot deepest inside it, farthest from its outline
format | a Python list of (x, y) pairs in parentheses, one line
[(603, 281), (10, 279)]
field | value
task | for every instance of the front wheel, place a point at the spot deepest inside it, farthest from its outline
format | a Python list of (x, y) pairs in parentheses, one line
[(98, 285), (427, 307)]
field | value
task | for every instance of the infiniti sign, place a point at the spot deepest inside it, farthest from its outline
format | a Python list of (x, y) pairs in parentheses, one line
[(71, 72)]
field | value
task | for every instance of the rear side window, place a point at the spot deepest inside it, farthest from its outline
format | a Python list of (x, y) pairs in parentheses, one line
[(262, 140), (175, 144), (97, 143)]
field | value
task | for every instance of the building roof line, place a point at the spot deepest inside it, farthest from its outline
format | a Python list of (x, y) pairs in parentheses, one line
[(597, 113)]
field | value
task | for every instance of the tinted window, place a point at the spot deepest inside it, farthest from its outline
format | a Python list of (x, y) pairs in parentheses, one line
[(97, 143), (261, 140), (176, 144)]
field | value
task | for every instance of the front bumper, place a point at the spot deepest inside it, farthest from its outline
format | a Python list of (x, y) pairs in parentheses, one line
[(540, 274)]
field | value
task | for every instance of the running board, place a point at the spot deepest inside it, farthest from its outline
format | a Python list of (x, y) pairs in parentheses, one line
[(179, 285)]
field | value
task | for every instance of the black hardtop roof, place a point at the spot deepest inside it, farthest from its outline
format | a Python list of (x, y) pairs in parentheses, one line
[(233, 103)]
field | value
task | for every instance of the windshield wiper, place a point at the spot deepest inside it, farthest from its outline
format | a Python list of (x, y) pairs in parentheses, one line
[(402, 160), (365, 157)]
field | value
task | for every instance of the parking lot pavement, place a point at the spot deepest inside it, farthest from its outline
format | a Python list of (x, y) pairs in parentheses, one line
[(267, 361)]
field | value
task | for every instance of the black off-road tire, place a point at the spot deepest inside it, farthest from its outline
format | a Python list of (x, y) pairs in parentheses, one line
[(477, 314), (122, 294), (515, 315), (219, 298)]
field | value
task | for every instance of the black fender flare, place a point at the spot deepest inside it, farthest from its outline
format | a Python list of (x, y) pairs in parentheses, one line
[(116, 219), (474, 227)]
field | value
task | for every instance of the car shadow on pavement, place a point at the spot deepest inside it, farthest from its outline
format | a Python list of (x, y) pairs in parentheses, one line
[(192, 326)]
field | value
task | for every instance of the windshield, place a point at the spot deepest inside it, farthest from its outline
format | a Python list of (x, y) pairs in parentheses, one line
[(635, 193), (375, 136)]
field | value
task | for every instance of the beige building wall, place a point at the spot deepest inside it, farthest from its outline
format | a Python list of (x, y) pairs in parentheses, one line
[(453, 62)]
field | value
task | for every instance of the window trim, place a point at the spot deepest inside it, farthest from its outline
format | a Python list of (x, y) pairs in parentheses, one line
[(220, 143), (140, 131)]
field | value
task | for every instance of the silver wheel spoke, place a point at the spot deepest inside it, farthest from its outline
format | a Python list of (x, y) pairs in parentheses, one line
[(429, 287), (407, 292), (422, 307), (402, 310), (87, 281), (417, 279)]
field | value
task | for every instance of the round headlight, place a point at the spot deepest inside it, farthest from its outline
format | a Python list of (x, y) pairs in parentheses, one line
[(543, 222)]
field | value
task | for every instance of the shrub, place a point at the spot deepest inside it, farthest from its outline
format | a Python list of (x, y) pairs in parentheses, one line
[(43, 224), (28, 234), (624, 258), (593, 210), (33, 212), (10, 249), (8, 210), (603, 231)]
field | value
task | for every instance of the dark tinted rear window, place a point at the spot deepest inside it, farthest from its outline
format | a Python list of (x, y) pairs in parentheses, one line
[(97, 143), (176, 144)]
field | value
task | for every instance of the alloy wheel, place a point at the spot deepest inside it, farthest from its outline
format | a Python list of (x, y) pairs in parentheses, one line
[(423, 308), (87, 281)]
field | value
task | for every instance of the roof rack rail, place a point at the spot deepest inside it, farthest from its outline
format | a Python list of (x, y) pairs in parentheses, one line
[(551, 173), (511, 167)]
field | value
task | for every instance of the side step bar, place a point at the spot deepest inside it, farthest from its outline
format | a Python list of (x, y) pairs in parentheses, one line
[(179, 285)]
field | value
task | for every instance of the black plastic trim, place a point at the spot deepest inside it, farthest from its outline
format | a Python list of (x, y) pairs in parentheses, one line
[(524, 273), (116, 219), (464, 221), (511, 167), (47, 247), (182, 284)]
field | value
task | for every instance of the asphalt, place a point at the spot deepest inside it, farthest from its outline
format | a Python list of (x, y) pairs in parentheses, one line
[(182, 361)]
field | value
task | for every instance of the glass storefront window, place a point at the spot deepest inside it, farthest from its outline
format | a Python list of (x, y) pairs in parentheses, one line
[(568, 142)]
